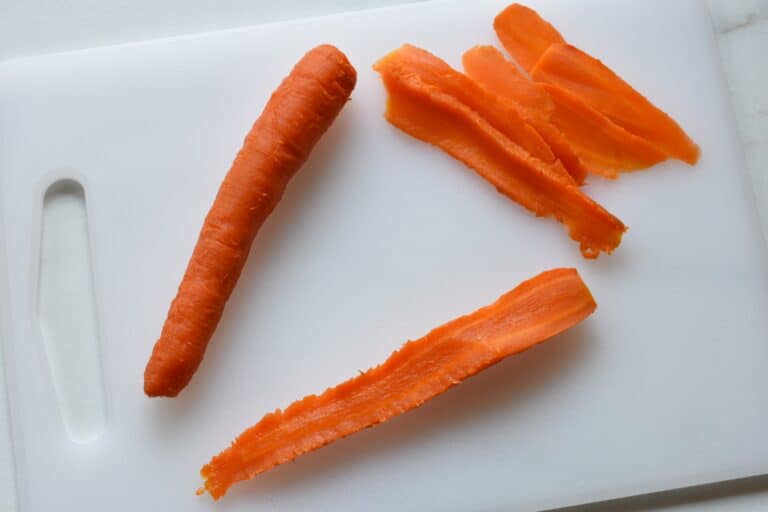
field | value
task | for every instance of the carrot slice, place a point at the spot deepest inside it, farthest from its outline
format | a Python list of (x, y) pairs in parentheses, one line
[(602, 145), (525, 34), (502, 114), (488, 67), (597, 85), (433, 116), (534, 311), (296, 116)]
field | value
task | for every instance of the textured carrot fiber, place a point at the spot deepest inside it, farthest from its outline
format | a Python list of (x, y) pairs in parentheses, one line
[(534, 311), (504, 115), (295, 117), (434, 116), (487, 66)]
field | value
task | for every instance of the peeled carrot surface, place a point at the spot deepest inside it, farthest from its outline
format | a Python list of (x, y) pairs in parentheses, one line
[(296, 116), (503, 115), (534, 311), (597, 85), (525, 34), (602, 145), (431, 115), (488, 67)]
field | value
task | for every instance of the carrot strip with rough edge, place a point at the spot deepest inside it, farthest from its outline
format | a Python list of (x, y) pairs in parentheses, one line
[(488, 67), (525, 34), (503, 115), (602, 145), (534, 311), (296, 116), (433, 116), (597, 85)]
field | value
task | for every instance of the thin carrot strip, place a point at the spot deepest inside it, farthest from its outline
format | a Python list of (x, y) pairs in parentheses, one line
[(534, 311), (488, 67), (597, 85), (296, 116), (602, 145), (504, 115), (433, 116), (525, 34)]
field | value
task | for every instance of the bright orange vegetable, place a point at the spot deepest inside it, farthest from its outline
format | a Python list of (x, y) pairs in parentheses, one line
[(429, 114), (296, 116), (597, 85), (488, 67), (534, 311), (524, 34), (601, 144), (503, 115)]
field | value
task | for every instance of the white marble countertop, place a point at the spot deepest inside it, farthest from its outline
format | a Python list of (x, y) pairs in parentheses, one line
[(29, 27)]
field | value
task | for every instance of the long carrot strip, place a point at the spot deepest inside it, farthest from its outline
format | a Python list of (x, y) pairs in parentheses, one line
[(602, 145), (294, 119), (597, 85), (488, 67), (503, 115), (524, 34), (534, 311), (433, 116)]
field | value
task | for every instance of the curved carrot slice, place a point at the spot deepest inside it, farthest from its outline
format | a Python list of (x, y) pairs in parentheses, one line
[(433, 116), (296, 116), (534, 311), (524, 34), (597, 85), (488, 67), (504, 115), (602, 145)]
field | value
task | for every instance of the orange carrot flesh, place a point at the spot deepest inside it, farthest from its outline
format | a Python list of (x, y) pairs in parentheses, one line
[(430, 115), (296, 116), (597, 85), (601, 144), (488, 67), (534, 311), (524, 34), (503, 115)]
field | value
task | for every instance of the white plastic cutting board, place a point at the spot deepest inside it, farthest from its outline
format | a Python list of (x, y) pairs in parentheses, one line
[(378, 239)]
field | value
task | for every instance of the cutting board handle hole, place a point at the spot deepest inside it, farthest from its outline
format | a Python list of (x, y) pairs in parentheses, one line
[(66, 311)]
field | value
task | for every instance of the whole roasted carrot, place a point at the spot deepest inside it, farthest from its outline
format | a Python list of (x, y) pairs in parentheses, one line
[(296, 116), (534, 311)]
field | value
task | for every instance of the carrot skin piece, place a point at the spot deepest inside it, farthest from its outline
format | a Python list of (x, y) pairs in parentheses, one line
[(429, 114), (525, 34), (300, 110), (488, 67), (534, 311), (597, 85)]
